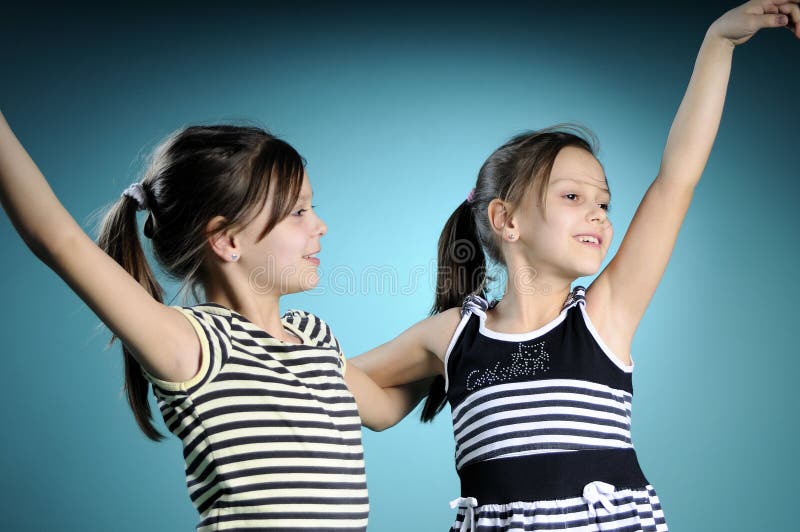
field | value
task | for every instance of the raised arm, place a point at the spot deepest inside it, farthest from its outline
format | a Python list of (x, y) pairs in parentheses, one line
[(390, 380), (624, 289), (158, 336)]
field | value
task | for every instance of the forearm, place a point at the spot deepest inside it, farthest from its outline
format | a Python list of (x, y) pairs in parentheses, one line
[(401, 400), (381, 408), (27, 198), (697, 121)]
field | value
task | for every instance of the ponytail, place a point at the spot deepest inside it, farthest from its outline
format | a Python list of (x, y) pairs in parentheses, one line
[(520, 165), (119, 238), (196, 174), (461, 271)]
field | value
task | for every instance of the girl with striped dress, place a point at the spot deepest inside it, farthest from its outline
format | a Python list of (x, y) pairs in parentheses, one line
[(271, 434), (539, 383)]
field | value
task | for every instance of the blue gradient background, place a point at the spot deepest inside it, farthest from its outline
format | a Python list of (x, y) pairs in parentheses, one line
[(395, 107)]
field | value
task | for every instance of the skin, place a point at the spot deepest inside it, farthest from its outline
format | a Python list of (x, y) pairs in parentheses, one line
[(541, 245), (283, 262), (532, 241), (161, 340), (164, 343)]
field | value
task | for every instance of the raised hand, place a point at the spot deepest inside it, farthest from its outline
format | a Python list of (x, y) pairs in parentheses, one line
[(739, 24)]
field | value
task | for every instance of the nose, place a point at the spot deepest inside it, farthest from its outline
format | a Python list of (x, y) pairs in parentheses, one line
[(321, 228), (597, 214)]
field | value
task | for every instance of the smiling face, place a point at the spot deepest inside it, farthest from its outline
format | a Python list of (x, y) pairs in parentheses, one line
[(571, 236), (285, 260)]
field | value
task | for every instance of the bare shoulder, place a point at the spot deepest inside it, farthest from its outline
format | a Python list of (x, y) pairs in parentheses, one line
[(610, 326), (439, 330)]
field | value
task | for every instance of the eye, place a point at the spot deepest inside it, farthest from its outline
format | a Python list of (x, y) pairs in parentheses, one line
[(570, 196), (605, 206), (300, 212)]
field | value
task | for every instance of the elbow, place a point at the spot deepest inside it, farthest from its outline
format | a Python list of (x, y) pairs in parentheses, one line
[(379, 427), (381, 422), (376, 425)]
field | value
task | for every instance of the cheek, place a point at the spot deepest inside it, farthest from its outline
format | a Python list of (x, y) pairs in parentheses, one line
[(287, 252), (281, 246)]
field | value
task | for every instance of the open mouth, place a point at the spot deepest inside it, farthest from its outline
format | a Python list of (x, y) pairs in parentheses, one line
[(588, 240), (312, 258)]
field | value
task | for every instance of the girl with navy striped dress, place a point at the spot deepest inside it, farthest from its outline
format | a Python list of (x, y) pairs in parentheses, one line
[(539, 383)]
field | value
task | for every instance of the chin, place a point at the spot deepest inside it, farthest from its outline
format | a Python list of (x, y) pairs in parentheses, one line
[(308, 282), (586, 270)]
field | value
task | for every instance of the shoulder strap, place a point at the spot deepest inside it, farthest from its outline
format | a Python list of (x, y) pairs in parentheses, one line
[(474, 304), (578, 295)]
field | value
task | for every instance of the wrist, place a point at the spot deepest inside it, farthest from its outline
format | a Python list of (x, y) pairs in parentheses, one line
[(715, 39)]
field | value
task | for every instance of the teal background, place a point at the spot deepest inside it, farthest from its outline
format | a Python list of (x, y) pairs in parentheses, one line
[(395, 107)]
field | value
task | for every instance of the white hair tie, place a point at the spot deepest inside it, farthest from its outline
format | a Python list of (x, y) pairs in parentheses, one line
[(136, 191)]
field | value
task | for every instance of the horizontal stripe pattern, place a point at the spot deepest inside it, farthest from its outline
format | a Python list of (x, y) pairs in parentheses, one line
[(633, 511), (575, 402), (540, 416), (271, 434)]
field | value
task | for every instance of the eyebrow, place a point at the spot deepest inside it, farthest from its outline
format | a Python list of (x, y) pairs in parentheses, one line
[(603, 188)]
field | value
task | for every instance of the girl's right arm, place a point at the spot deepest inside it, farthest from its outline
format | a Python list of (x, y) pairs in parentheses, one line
[(159, 337), (393, 377)]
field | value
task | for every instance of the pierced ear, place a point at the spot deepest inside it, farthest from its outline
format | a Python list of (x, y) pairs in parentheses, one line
[(511, 223), (498, 216), (224, 243)]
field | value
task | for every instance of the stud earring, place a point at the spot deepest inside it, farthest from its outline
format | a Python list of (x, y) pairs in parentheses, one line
[(234, 256), (512, 236)]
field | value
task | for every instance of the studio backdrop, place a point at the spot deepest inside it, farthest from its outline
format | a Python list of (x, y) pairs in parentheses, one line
[(395, 106)]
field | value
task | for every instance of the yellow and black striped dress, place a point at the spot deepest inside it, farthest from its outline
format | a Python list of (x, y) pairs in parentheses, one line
[(271, 434)]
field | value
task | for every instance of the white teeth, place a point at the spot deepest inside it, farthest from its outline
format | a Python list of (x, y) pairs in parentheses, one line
[(585, 238)]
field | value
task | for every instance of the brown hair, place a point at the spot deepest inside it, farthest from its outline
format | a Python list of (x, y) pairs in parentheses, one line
[(520, 165), (198, 173)]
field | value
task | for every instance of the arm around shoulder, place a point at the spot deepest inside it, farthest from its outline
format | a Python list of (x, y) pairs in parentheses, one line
[(416, 353), (391, 379), (381, 408)]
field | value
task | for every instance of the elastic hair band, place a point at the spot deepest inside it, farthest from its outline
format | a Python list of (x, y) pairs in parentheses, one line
[(136, 191)]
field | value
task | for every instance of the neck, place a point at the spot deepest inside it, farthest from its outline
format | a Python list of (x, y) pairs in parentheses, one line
[(260, 309), (527, 306)]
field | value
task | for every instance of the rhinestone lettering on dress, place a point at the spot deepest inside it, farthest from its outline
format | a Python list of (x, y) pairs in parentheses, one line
[(527, 360)]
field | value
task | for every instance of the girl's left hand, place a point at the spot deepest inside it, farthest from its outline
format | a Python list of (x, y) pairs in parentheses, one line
[(739, 24)]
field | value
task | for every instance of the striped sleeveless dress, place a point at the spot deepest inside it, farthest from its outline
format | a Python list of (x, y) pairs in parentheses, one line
[(271, 434), (542, 428)]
